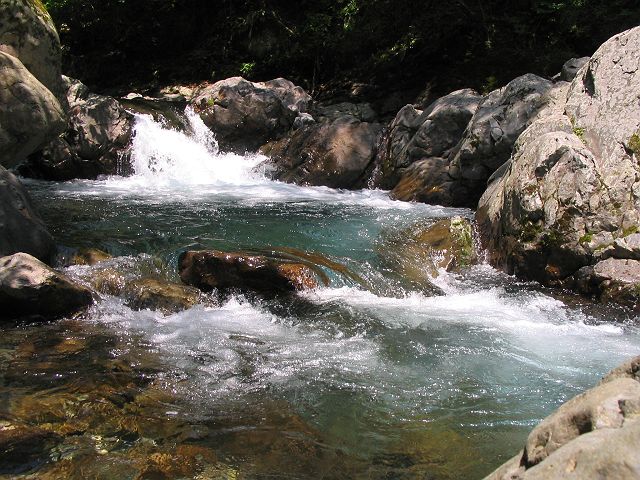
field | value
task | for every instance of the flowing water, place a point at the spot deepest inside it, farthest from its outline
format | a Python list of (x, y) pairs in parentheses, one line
[(368, 377)]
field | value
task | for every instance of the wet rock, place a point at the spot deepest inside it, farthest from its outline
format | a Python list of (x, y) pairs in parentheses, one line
[(23, 447), (245, 115), (97, 141), (151, 294), (416, 254), (88, 256), (209, 269), (336, 154), (593, 433), (424, 136), (570, 195), (28, 33), (108, 280), (28, 287), (30, 115), (21, 230)]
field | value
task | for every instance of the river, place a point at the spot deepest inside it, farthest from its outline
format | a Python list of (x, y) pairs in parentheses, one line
[(358, 379)]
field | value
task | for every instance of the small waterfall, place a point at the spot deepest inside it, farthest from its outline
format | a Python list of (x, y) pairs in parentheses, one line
[(161, 155)]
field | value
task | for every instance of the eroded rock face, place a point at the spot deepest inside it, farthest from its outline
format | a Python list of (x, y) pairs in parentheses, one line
[(30, 288), (21, 230), (209, 269), (336, 154), (570, 196), (245, 115), (97, 141), (594, 434), (424, 136), (28, 33), (488, 141), (30, 115)]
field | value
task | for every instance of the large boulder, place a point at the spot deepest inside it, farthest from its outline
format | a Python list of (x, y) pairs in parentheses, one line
[(21, 230), (335, 154), (28, 33), (97, 141), (245, 115), (593, 435), (488, 141), (30, 288), (30, 115), (214, 269), (426, 135), (570, 195)]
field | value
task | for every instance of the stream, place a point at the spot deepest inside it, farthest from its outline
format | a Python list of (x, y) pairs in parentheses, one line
[(375, 379)]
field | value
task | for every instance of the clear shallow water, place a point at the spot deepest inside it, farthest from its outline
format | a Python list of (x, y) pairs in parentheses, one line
[(389, 380)]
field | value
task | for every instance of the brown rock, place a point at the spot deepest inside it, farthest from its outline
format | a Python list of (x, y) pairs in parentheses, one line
[(151, 294), (209, 269)]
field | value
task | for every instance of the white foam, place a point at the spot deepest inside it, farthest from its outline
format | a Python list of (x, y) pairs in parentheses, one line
[(175, 166)]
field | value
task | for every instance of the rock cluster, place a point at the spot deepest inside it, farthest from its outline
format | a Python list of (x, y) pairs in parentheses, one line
[(565, 208), (97, 140)]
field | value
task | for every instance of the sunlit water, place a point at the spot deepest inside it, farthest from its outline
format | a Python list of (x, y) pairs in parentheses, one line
[(407, 384)]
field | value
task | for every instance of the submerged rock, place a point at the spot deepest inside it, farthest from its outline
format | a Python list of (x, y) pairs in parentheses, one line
[(417, 253), (570, 195), (88, 256), (30, 288), (209, 269), (596, 433), (245, 115), (97, 141), (23, 447), (336, 154), (152, 294), (21, 230)]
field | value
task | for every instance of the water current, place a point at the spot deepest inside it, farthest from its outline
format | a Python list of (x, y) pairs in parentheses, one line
[(370, 378)]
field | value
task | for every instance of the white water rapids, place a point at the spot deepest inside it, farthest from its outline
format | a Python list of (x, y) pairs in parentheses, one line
[(490, 354)]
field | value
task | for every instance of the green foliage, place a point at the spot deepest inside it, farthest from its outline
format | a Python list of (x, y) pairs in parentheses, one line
[(247, 68), (586, 238), (398, 43), (634, 144)]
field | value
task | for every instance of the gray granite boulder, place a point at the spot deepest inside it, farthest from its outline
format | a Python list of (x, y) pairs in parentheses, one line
[(245, 115), (30, 115), (29, 288), (571, 67), (488, 141), (28, 33), (97, 140), (415, 135), (21, 230), (570, 195), (593, 435)]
